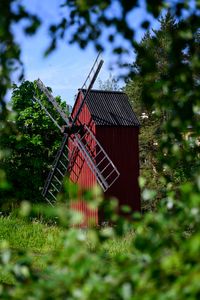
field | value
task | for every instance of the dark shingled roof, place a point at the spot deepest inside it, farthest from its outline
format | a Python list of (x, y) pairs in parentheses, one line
[(111, 108)]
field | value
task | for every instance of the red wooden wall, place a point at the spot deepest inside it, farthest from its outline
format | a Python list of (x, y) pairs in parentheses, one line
[(86, 178), (121, 144)]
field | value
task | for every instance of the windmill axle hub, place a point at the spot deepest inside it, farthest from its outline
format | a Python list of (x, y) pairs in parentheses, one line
[(71, 129)]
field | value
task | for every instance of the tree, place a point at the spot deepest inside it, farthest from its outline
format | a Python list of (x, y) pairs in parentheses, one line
[(155, 42), (32, 143), (11, 13), (153, 54)]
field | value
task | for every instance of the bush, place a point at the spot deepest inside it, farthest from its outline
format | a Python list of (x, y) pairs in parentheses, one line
[(162, 261)]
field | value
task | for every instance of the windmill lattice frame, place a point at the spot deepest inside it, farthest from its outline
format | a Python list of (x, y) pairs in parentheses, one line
[(83, 141)]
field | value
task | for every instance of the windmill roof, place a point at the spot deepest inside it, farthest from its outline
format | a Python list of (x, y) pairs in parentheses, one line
[(110, 108)]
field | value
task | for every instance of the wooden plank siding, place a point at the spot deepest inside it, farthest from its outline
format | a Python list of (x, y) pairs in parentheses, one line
[(86, 179), (121, 144)]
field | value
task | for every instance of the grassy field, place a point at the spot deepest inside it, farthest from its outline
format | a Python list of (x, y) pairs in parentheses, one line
[(35, 236), (22, 235), (40, 239)]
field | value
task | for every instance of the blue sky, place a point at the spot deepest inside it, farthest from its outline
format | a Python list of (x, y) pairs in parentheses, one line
[(66, 68)]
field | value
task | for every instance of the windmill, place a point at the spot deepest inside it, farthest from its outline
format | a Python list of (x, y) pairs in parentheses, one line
[(78, 140)]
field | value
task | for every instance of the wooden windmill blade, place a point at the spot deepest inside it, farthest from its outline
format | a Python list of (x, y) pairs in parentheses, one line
[(90, 82), (83, 140), (53, 182), (96, 157), (52, 100), (64, 155), (47, 112)]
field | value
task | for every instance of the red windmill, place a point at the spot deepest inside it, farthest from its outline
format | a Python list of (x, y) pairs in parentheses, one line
[(100, 146)]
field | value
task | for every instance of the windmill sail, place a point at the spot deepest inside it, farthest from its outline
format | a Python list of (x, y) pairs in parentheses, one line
[(83, 141), (58, 170), (88, 84), (51, 99), (97, 159), (47, 113)]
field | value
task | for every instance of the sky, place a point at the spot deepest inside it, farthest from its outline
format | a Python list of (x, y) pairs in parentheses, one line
[(67, 67)]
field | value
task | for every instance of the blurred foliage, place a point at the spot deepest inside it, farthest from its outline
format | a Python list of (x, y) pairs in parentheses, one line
[(84, 22), (110, 22), (11, 13), (163, 261), (33, 143)]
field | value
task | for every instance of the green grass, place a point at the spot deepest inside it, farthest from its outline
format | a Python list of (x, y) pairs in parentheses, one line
[(35, 236), (119, 245), (40, 239), (23, 235)]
